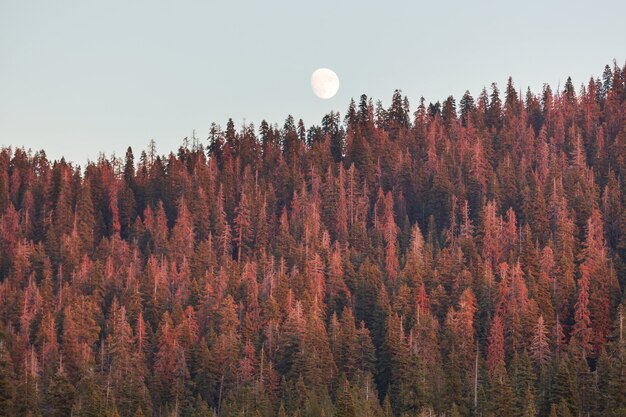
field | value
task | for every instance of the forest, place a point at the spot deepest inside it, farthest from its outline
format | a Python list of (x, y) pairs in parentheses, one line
[(455, 259)]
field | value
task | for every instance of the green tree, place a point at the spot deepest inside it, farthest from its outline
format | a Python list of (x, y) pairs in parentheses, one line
[(60, 396), (85, 217), (90, 399), (7, 390), (345, 404)]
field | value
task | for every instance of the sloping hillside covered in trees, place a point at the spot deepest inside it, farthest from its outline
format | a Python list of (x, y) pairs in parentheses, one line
[(464, 258)]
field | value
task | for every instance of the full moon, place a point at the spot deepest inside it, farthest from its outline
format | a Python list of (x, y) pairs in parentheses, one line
[(324, 83)]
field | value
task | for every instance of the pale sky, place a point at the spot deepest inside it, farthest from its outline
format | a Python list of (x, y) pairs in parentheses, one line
[(81, 77)]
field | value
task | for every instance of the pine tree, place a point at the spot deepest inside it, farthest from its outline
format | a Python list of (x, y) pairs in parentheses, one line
[(523, 381), (394, 364), (332, 129), (540, 345), (495, 352), (182, 239), (366, 354), (90, 399), (495, 108), (337, 292), (582, 327), (390, 230), (85, 217), (347, 353), (602, 290), (448, 112), (345, 402), (563, 390), (468, 108), (501, 395), (129, 168), (7, 390), (60, 396)]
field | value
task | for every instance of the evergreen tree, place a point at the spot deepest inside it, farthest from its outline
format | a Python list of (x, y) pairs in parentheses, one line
[(60, 396), (494, 110), (345, 403), (7, 390), (85, 217)]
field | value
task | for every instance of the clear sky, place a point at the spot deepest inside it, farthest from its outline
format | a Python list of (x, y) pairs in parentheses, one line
[(80, 77)]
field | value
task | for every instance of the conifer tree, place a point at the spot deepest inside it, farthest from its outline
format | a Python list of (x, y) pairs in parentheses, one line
[(182, 237), (7, 390), (345, 402), (85, 219), (60, 396), (540, 344)]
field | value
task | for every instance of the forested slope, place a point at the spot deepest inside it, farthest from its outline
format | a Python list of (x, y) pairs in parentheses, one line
[(465, 258)]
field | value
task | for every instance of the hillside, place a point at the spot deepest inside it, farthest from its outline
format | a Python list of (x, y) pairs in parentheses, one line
[(463, 258)]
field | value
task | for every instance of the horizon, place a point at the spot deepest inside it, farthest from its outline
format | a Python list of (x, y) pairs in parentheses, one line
[(203, 137), (81, 78)]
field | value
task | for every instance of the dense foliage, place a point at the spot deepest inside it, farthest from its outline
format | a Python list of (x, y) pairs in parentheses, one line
[(462, 260)]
